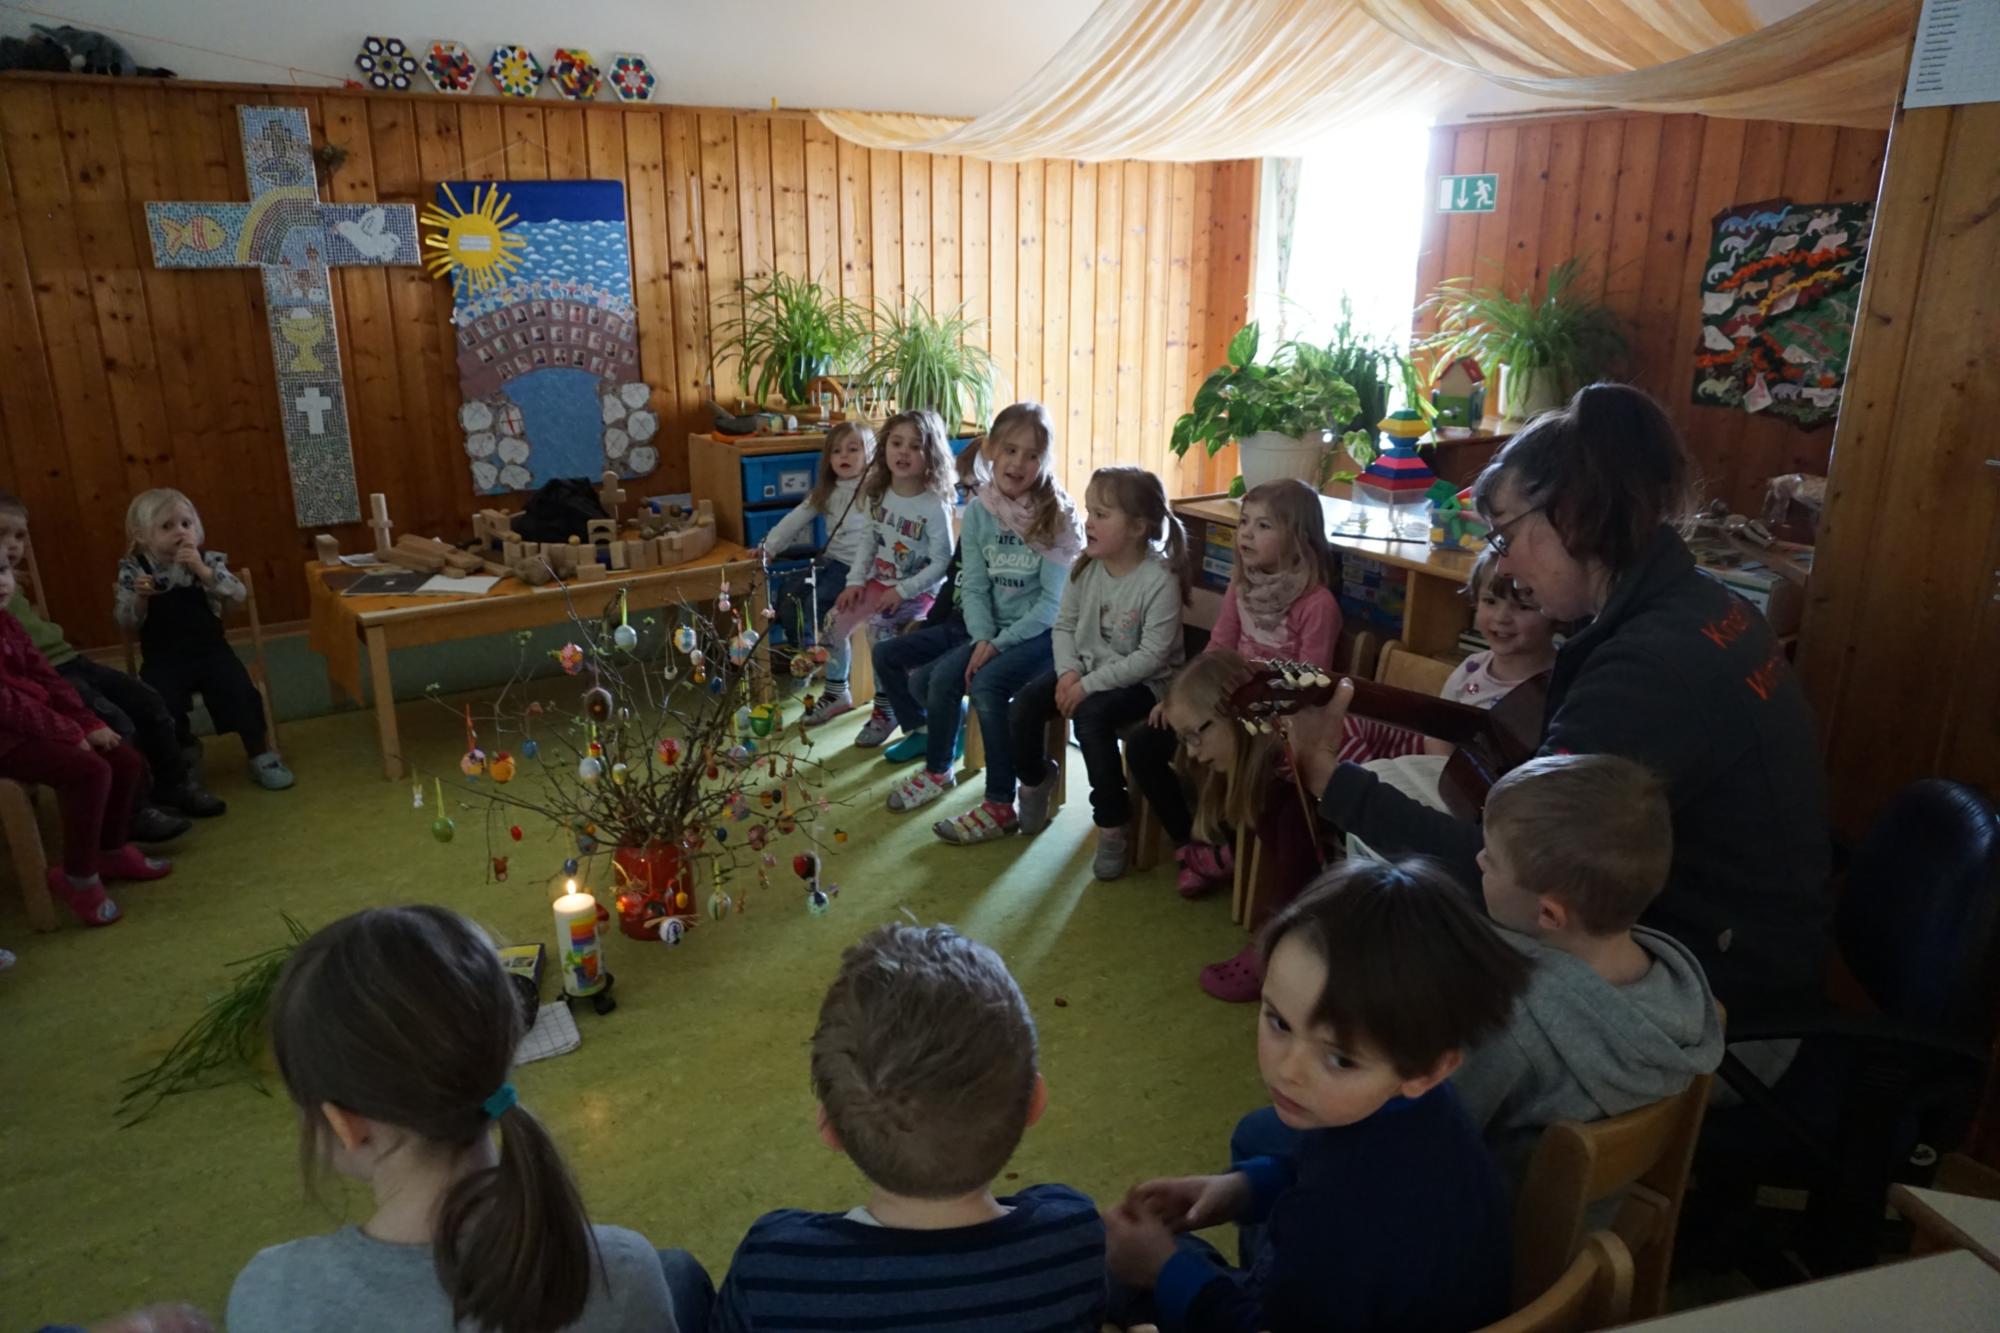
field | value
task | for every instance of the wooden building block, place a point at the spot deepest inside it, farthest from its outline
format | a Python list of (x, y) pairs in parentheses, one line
[(645, 553), (378, 519), (610, 494), (592, 572), (620, 560), (329, 549)]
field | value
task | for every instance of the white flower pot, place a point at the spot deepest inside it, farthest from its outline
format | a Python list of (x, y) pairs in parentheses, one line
[(1523, 396), (1269, 456)]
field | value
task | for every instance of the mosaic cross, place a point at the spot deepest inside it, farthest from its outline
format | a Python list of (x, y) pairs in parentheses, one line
[(295, 239)]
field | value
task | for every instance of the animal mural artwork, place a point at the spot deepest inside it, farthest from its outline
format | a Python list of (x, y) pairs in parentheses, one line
[(1778, 302), (548, 357)]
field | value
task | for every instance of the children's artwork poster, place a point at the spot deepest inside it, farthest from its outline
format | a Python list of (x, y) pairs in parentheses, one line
[(548, 357), (1778, 301)]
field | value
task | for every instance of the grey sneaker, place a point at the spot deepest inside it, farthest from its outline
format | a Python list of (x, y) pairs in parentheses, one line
[(269, 772), (1033, 802), (881, 724), (829, 706), (1114, 851), (920, 789)]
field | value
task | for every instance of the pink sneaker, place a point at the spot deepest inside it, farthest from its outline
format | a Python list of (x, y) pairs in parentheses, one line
[(1238, 981)]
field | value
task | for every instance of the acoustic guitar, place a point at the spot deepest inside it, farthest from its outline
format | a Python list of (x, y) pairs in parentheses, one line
[(1488, 741)]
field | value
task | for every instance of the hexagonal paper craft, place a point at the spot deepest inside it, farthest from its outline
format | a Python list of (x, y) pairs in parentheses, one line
[(632, 78), (515, 71), (450, 67), (575, 75), (386, 63)]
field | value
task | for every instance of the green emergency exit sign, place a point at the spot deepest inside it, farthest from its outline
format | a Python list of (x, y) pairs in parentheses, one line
[(1468, 194)]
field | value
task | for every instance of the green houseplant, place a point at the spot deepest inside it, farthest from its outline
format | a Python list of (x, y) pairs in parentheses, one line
[(923, 360), (790, 333), (1281, 413), (1546, 347)]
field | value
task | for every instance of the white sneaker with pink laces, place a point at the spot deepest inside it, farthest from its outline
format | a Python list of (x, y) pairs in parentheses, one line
[(920, 790)]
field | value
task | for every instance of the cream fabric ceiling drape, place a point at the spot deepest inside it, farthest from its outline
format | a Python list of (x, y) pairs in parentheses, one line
[(1197, 80)]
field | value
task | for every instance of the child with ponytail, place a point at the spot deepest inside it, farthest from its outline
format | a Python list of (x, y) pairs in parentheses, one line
[(1116, 642), (1240, 781), (394, 1031)]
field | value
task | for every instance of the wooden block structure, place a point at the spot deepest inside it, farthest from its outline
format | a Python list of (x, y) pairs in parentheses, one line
[(658, 542)]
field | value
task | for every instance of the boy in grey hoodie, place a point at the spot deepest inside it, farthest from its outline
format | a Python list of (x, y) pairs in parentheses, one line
[(1615, 1016)]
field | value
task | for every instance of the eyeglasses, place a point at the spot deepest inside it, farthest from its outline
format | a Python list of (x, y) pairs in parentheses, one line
[(1496, 536), (1192, 739)]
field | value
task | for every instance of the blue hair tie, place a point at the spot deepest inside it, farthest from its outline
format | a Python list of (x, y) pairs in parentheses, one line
[(500, 1102)]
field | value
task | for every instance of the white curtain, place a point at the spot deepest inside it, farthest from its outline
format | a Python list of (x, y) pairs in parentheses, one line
[(1200, 80)]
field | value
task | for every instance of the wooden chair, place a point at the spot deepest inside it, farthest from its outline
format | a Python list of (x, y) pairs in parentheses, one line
[(1646, 1155), (1408, 670), (1594, 1292), (260, 670), (28, 813)]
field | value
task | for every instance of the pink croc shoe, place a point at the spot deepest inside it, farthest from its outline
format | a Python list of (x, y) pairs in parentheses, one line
[(128, 862), (1204, 868), (1238, 981), (92, 906)]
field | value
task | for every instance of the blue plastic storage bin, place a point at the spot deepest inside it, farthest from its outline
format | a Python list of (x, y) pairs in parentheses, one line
[(757, 525), (778, 478)]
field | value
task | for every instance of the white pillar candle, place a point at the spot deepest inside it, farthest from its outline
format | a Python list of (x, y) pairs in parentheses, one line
[(577, 945)]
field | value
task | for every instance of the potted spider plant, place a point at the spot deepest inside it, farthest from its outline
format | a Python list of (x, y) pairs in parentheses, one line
[(1546, 346), (790, 333), (919, 359), (1282, 413)]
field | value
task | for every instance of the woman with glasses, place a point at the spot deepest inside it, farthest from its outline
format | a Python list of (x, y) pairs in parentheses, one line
[(1663, 665)]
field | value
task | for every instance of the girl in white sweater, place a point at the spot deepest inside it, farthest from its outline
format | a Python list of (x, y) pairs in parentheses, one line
[(836, 498), (907, 491)]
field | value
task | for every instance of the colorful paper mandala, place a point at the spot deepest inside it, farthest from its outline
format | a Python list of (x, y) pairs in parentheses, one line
[(575, 75), (632, 78), (515, 71), (450, 68), (386, 63)]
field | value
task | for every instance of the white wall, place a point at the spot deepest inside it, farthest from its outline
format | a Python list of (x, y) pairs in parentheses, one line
[(947, 57)]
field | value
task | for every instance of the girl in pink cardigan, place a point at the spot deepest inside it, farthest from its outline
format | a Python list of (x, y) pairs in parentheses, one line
[(1279, 607), (49, 737)]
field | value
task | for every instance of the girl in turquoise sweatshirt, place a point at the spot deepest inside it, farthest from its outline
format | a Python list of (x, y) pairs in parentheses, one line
[(1020, 536)]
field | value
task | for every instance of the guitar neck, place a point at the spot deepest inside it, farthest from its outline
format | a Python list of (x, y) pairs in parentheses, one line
[(1454, 723)]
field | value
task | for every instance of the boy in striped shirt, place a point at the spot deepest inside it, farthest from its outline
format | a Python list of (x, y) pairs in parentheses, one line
[(924, 1065)]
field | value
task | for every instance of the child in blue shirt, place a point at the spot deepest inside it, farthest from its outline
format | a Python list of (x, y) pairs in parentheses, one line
[(924, 1066), (1367, 1199), (1020, 536)]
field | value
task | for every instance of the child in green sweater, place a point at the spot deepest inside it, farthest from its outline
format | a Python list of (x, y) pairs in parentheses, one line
[(127, 704), (1021, 534)]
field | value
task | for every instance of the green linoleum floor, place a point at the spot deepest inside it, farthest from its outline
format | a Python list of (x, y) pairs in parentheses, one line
[(685, 1114)]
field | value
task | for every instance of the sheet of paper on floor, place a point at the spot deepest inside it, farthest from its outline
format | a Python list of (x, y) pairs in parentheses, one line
[(362, 560), (554, 1033)]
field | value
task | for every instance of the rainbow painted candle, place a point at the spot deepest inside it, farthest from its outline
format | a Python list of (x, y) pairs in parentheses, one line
[(577, 944)]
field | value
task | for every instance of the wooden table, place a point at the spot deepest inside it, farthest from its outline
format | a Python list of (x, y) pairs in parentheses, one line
[(1946, 1293), (346, 629), (1955, 1221), (1434, 610)]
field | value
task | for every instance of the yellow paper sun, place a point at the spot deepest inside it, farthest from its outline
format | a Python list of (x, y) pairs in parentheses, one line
[(472, 241)]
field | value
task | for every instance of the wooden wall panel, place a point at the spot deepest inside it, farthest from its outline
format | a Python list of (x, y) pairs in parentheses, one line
[(1108, 288), (1632, 196), (1903, 617)]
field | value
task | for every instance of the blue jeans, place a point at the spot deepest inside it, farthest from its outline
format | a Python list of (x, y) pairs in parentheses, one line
[(691, 1287), (896, 658), (795, 612), (993, 691)]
